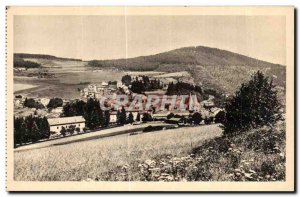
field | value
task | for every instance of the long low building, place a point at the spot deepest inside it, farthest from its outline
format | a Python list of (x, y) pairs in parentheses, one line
[(56, 124)]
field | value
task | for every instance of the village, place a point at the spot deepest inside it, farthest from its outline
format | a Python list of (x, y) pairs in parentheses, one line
[(152, 93)]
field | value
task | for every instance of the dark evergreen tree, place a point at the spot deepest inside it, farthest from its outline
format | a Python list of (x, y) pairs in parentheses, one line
[(197, 118), (107, 117), (126, 80), (63, 131), (35, 135), (255, 104), (130, 118), (138, 117), (123, 116), (18, 134)]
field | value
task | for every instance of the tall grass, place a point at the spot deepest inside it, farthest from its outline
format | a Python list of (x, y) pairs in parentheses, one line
[(100, 159)]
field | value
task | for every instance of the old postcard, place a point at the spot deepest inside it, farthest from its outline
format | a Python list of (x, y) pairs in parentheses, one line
[(150, 99)]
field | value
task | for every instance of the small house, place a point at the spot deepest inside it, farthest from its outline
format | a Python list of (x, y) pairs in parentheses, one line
[(56, 124)]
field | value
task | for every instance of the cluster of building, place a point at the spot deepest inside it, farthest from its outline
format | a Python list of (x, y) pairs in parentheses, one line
[(99, 90), (206, 108)]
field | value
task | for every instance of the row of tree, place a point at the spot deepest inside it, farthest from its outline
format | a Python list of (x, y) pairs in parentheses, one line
[(70, 130), (141, 84), (30, 129)]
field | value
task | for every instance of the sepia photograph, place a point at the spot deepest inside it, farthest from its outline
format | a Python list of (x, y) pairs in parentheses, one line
[(150, 98)]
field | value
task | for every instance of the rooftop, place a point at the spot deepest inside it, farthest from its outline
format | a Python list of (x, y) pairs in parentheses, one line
[(65, 120)]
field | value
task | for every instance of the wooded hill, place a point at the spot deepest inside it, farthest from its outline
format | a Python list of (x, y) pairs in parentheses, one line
[(212, 67)]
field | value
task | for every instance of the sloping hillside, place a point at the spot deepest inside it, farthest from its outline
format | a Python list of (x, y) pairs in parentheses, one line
[(41, 56), (214, 68)]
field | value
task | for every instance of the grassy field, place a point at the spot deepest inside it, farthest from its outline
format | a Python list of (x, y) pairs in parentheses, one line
[(20, 87), (97, 159)]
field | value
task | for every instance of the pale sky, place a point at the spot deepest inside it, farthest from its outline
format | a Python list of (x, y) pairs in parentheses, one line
[(111, 37)]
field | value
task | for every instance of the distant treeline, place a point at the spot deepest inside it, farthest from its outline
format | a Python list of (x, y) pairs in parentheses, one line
[(30, 129), (20, 63), (41, 56)]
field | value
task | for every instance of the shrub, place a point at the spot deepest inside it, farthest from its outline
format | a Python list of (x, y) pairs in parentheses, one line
[(71, 129), (208, 120), (265, 141), (63, 131)]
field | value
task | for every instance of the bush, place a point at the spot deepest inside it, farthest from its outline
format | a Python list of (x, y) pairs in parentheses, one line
[(265, 141), (63, 131), (71, 129), (77, 129), (31, 103), (208, 120), (254, 105)]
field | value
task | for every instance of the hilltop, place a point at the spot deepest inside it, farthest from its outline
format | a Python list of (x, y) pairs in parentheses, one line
[(211, 67)]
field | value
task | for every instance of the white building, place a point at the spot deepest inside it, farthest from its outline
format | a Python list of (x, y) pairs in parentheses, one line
[(56, 124)]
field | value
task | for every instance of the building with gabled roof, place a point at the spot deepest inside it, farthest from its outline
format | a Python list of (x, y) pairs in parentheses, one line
[(56, 124)]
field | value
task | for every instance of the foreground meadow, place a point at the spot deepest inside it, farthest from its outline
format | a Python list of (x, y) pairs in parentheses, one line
[(99, 159)]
